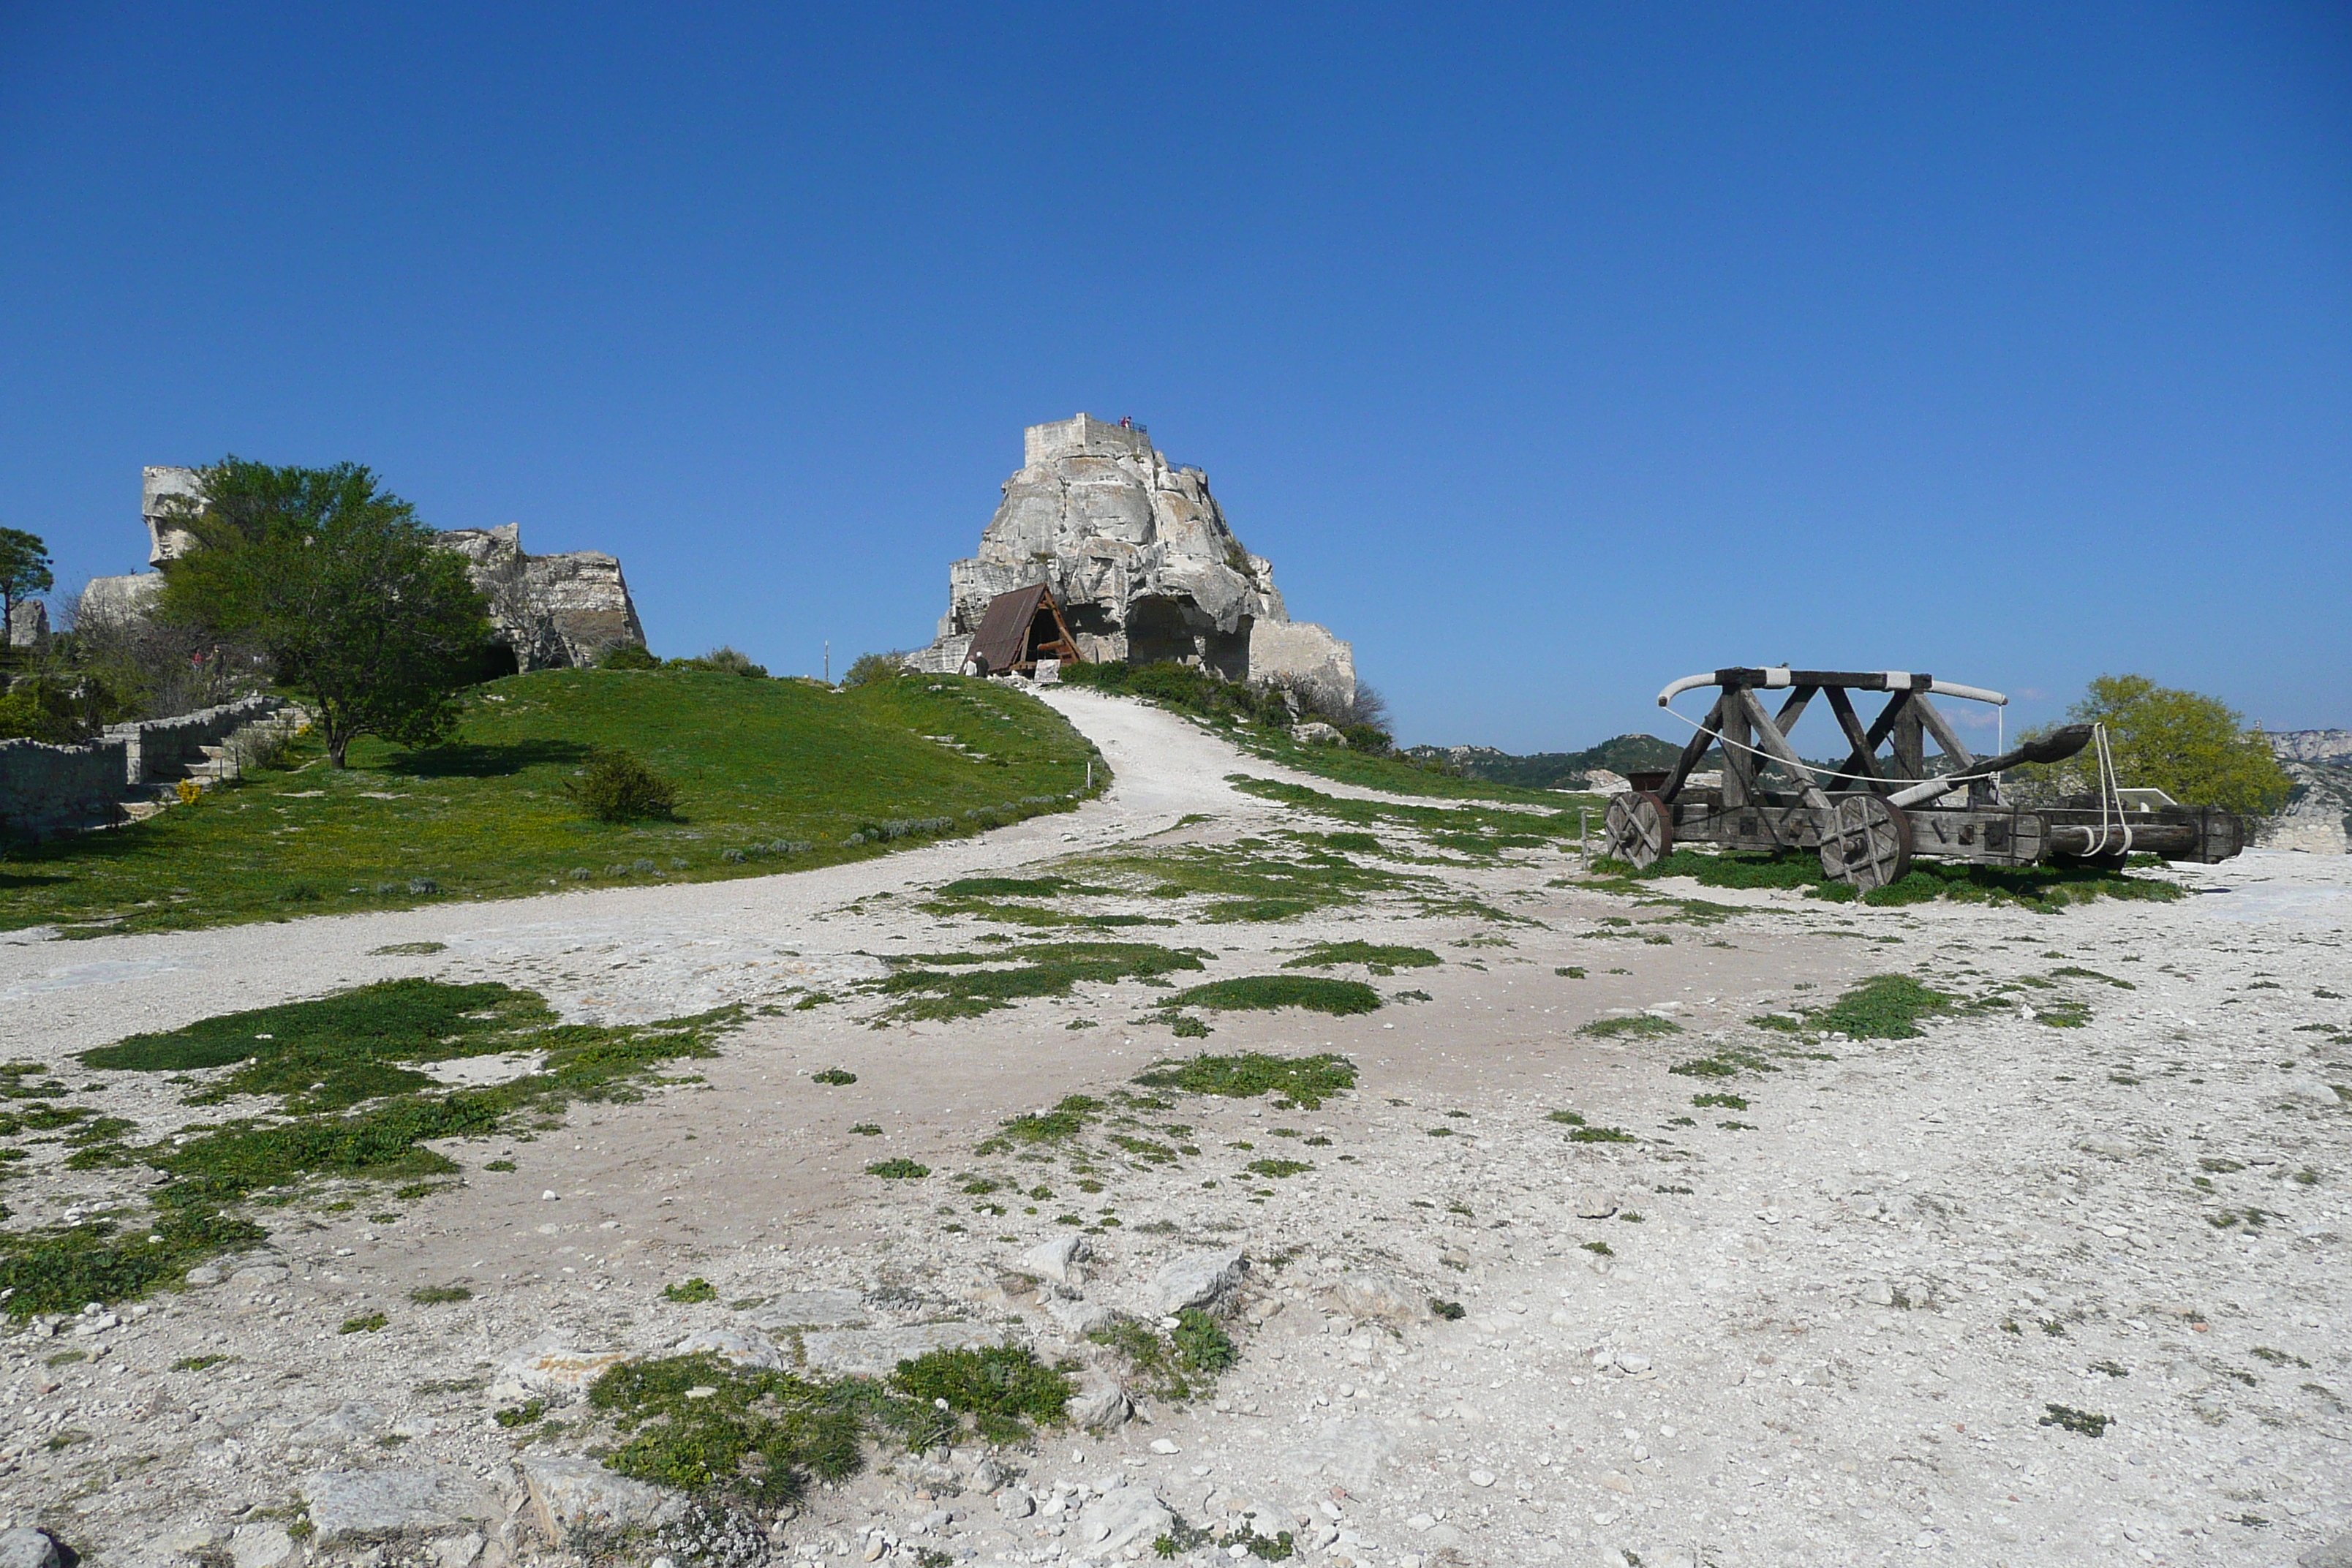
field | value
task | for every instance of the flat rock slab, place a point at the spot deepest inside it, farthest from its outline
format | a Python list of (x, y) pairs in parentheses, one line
[(872, 1352), (811, 1309), (24, 1547), (1348, 1452), (1123, 1517), (1200, 1279), (568, 1491), (1373, 1294), (552, 1368), (348, 1505), (744, 1347)]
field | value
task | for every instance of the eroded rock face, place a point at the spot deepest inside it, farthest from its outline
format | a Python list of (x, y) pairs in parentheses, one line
[(556, 612), (1141, 560)]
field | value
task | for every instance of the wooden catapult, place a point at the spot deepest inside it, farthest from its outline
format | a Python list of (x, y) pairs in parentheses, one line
[(1868, 816)]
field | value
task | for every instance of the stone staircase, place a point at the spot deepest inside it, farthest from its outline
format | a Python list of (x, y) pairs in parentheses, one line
[(213, 764)]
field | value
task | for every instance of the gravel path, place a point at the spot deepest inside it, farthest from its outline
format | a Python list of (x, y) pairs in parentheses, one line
[(1868, 1314)]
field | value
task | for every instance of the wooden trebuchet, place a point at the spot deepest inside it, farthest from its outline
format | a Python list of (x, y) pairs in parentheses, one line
[(1867, 816)]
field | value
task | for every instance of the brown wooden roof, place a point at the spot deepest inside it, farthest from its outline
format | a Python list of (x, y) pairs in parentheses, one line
[(1003, 640)]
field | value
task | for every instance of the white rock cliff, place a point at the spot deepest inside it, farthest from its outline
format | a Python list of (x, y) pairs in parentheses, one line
[(1143, 561)]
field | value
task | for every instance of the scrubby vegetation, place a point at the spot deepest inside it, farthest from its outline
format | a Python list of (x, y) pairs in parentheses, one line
[(615, 786), (765, 773), (1374, 956), (968, 984), (353, 1107), (1268, 991), (1302, 1081)]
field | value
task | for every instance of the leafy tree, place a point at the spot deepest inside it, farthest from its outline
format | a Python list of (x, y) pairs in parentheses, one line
[(2194, 748), (343, 588), (873, 666), (24, 570)]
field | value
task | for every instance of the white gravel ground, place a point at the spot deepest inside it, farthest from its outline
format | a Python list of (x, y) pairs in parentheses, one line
[(1831, 1335)]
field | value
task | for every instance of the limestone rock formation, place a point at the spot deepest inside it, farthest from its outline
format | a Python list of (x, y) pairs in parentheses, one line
[(553, 611), (1141, 560), (2317, 818)]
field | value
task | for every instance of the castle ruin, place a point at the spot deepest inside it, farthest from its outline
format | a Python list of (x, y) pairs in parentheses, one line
[(553, 612), (1142, 562)]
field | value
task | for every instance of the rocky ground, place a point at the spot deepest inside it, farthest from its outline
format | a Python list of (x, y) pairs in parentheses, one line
[(2059, 1279)]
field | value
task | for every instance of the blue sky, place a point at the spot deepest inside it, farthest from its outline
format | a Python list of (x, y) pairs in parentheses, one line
[(1550, 352)]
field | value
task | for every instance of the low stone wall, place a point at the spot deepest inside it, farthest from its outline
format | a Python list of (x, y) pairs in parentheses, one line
[(53, 789), (48, 789), (156, 747)]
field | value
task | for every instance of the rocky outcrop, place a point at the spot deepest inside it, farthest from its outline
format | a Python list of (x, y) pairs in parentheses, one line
[(2313, 746), (1141, 560), (28, 626), (554, 611)]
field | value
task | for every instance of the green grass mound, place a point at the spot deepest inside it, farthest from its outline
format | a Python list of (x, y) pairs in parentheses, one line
[(350, 1109), (1268, 991), (1883, 1007), (729, 1436), (1379, 958), (333, 1053), (765, 774), (940, 986), (1302, 1081)]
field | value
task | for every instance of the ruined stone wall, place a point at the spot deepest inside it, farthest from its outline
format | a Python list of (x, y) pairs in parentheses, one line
[(48, 789)]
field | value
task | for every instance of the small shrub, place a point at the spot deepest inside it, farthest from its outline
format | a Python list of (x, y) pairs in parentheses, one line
[(869, 668), (898, 1170), (834, 1075), (366, 1325), (627, 656), (2069, 1419), (524, 1414), (437, 1295), (690, 1292), (1643, 1027), (1270, 992), (617, 788), (1452, 1312), (1305, 1081), (1003, 1388)]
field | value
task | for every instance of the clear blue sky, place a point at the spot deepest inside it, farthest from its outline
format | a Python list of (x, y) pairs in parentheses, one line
[(1549, 351)]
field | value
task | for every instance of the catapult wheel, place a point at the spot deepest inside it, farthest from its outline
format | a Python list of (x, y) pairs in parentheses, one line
[(1640, 828), (1866, 842)]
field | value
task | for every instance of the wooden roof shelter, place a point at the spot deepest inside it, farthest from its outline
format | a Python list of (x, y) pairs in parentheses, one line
[(1019, 628)]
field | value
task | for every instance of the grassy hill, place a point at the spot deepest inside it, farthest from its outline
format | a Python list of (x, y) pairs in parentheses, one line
[(778, 773)]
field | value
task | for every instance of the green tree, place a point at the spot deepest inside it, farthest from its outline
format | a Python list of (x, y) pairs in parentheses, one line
[(24, 570), (340, 586), (2195, 749)]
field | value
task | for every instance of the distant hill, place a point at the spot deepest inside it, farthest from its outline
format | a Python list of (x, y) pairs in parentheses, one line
[(1559, 770)]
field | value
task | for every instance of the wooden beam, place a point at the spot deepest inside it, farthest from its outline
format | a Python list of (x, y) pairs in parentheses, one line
[(1693, 750), (1769, 739), (1858, 760)]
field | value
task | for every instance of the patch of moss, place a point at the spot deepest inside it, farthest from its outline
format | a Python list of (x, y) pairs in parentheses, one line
[(724, 1435), (438, 1295), (953, 985), (1001, 1389), (690, 1292), (1178, 1365), (1277, 1169), (1304, 1081), (1270, 992), (1378, 958), (1643, 1026)]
